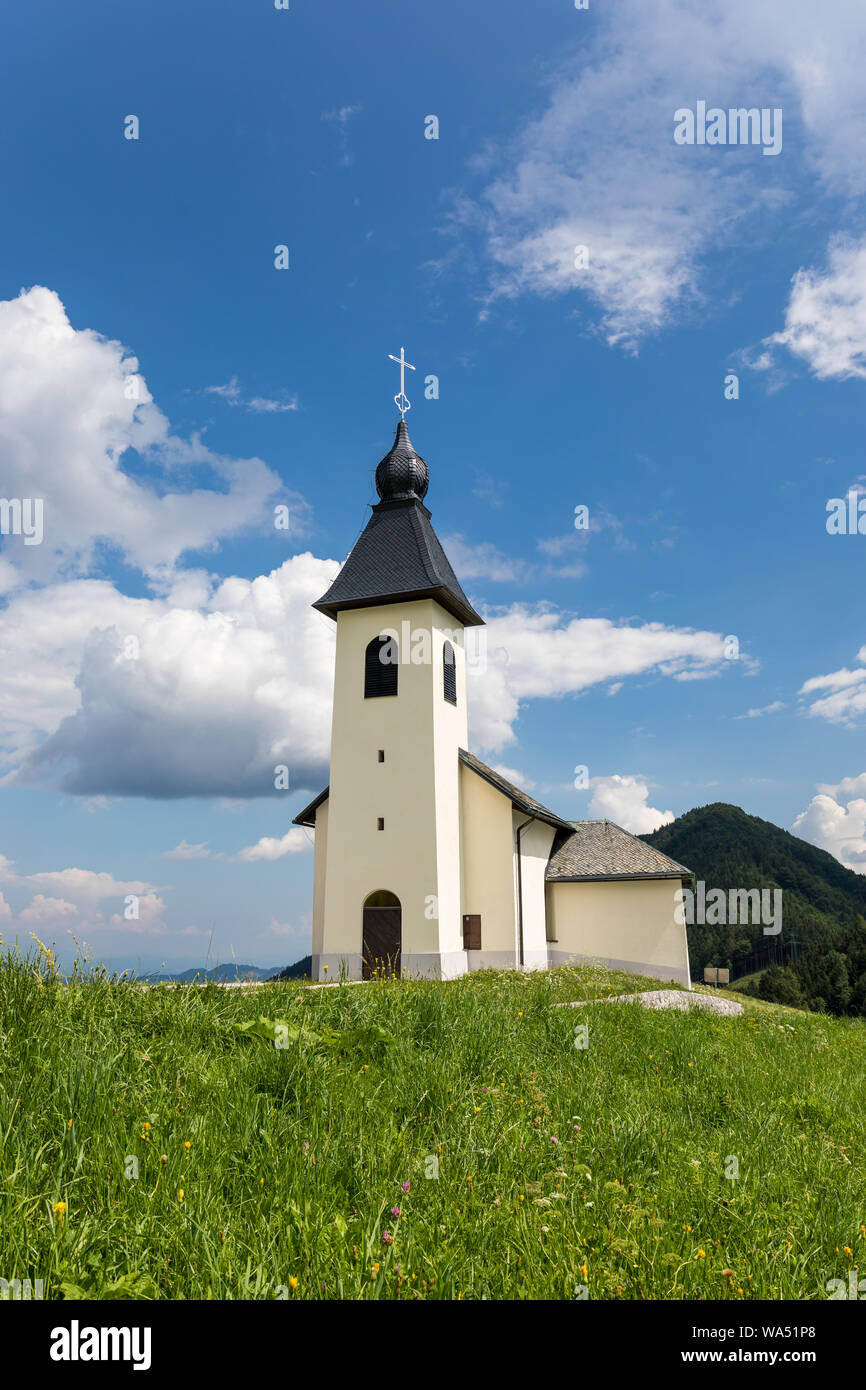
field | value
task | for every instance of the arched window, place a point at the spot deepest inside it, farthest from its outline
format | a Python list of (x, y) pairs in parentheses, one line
[(380, 667), (449, 671), (381, 898)]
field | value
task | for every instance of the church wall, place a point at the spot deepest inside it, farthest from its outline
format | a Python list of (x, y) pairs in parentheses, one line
[(487, 870), (319, 863), (535, 843), (415, 790), (450, 733), (628, 925)]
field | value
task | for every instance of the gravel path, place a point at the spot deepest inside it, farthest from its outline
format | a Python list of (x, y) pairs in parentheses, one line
[(666, 999)]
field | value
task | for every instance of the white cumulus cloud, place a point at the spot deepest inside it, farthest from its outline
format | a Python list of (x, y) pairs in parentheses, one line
[(185, 851), (839, 697), (73, 407), (539, 653), (45, 910), (835, 820), (297, 840), (206, 700), (825, 320), (598, 167), (623, 800)]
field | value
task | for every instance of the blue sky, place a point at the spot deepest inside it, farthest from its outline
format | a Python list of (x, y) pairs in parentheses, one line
[(151, 262)]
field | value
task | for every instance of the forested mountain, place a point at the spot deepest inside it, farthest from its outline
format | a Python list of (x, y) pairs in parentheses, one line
[(299, 971), (819, 958)]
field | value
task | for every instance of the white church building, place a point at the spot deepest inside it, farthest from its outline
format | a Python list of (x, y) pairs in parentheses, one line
[(427, 861)]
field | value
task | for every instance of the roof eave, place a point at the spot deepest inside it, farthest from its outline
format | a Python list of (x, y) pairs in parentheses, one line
[(537, 812), (614, 878), (464, 613), (308, 815)]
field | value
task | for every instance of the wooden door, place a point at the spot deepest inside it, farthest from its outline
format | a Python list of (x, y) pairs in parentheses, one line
[(382, 942)]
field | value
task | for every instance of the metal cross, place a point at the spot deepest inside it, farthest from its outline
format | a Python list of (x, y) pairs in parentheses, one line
[(402, 402)]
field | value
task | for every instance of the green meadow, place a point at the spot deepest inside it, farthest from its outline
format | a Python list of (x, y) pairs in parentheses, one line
[(419, 1140)]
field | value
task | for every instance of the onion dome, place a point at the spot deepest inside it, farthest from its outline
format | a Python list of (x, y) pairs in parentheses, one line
[(402, 474)]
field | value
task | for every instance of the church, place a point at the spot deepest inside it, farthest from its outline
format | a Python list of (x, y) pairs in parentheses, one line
[(427, 861)]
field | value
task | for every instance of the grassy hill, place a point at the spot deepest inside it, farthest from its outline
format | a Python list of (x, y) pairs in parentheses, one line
[(823, 904), (423, 1140)]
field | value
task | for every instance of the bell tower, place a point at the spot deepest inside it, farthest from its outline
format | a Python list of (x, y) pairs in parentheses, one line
[(387, 893)]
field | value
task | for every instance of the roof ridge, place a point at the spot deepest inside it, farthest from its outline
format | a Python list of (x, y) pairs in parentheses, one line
[(420, 531), (516, 794)]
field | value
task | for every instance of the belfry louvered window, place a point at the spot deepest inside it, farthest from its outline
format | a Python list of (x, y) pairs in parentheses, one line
[(380, 667), (449, 671)]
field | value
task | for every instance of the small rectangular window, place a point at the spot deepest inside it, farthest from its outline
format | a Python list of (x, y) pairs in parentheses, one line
[(381, 755), (381, 825)]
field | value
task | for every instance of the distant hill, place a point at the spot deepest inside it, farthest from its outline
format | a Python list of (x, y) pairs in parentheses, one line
[(219, 974), (823, 937), (299, 971)]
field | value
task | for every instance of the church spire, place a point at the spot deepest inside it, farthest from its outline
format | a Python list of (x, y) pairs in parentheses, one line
[(398, 556)]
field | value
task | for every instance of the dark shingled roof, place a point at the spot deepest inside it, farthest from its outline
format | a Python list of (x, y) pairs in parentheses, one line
[(598, 849), (517, 797), (398, 557)]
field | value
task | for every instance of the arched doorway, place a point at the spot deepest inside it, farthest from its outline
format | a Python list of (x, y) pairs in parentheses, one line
[(382, 936)]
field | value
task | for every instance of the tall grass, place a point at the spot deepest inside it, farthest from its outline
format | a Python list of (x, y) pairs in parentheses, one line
[(535, 1168)]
